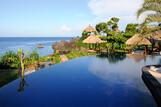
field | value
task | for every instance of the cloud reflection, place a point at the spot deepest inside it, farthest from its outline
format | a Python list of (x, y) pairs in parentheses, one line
[(126, 73)]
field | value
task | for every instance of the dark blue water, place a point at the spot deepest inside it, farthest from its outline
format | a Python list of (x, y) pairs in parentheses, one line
[(29, 44), (84, 82)]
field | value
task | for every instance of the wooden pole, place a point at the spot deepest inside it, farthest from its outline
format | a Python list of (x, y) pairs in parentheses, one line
[(145, 49)]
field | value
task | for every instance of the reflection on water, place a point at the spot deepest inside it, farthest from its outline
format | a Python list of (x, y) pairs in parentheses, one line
[(22, 85), (121, 69), (84, 82), (113, 57), (137, 57)]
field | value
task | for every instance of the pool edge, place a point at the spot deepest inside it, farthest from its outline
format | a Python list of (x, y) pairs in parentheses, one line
[(153, 85)]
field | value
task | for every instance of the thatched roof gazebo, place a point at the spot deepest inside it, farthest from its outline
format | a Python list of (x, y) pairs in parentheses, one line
[(138, 40), (89, 29), (93, 40)]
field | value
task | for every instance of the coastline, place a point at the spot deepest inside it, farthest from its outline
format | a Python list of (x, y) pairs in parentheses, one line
[(29, 44)]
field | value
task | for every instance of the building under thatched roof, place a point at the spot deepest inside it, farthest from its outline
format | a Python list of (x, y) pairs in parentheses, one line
[(89, 29), (92, 39), (138, 40)]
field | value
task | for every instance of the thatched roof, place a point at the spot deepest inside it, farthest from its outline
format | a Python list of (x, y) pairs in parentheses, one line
[(89, 29), (156, 35), (93, 39), (138, 40)]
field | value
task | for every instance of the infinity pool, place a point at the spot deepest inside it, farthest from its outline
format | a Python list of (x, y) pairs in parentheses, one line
[(111, 81)]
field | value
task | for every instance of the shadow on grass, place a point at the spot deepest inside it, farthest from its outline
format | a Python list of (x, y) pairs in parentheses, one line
[(7, 75)]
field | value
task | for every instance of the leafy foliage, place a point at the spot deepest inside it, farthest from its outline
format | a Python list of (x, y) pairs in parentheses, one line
[(85, 35), (130, 30), (113, 23), (9, 60), (102, 28)]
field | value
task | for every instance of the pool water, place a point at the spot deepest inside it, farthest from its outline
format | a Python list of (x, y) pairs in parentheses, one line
[(104, 81)]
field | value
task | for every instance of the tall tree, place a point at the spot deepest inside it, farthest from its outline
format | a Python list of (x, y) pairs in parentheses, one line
[(113, 23), (130, 30), (155, 7), (102, 28)]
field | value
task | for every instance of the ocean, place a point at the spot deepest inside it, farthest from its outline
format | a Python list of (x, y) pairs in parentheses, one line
[(28, 44)]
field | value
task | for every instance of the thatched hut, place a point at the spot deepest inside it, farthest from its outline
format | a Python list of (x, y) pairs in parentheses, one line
[(89, 29), (93, 40), (138, 40)]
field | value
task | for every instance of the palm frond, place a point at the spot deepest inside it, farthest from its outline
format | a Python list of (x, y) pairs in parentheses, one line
[(153, 18), (149, 1), (156, 7)]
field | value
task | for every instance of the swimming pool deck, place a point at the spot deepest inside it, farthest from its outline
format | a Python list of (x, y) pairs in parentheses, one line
[(153, 81)]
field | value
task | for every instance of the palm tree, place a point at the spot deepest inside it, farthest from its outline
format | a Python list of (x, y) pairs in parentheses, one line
[(154, 6), (22, 67)]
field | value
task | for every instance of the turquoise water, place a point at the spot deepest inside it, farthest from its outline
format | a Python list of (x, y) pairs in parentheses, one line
[(29, 44), (111, 81)]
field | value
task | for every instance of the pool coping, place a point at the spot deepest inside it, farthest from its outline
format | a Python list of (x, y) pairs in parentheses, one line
[(152, 83)]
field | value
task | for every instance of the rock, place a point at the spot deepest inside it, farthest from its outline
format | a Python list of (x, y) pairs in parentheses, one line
[(40, 46), (63, 58)]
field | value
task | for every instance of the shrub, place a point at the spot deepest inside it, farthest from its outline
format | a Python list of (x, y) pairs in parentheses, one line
[(9, 60)]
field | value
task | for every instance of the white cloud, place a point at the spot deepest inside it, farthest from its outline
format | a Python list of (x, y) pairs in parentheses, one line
[(65, 29), (114, 7), (124, 9)]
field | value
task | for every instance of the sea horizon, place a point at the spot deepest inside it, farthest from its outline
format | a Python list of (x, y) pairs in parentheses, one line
[(29, 44)]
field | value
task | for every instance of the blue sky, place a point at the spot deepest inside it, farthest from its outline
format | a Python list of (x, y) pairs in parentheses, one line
[(61, 17)]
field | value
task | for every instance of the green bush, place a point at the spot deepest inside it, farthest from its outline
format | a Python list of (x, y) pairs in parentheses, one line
[(9, 60), (56, 58)]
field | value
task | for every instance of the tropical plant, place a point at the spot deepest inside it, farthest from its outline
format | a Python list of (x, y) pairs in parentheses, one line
[(102, 28), (85, 35), (109, 28), (21, 56), (155, 7), (34, 56), (9, 60), (130, 30), (113, 23)]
